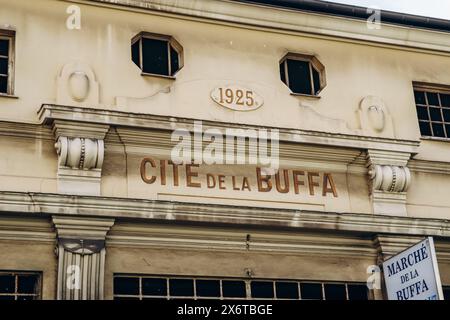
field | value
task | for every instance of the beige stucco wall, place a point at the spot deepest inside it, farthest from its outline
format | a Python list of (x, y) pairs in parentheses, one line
[(31, 256), (213, 54)]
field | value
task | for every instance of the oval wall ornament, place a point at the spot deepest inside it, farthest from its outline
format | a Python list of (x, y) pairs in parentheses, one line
[(237, 98)]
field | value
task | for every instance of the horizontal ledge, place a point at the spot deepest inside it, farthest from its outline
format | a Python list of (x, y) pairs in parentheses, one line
[(48, 113), (305, 95), (157, 210), (146, 74), (10, 96)]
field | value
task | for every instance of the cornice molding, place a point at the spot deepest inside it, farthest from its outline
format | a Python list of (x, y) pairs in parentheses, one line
[(49, 113), (210, 239), (14, 228), (281, 20), (94, 206), (25, 130)]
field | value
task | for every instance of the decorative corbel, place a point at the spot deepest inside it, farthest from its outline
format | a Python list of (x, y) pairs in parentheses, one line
[(80, 149), (389, 180)]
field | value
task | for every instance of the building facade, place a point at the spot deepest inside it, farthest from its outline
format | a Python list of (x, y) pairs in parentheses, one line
[(100, 98)]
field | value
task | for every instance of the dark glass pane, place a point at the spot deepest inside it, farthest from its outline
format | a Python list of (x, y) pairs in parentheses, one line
[(447, 127), (282, 72), (208, 288), (24, 298), (123, 285), (7, 298), (287, 290), (420, 97), (357, 292), (446, 113), (433, 99), (422, 113), (3, 84), (27, 284), (446, 293), (311, 291), (155, 56), (425, 129), (181, 287), (438, 130), (154, 287), (7, 284), (316, 79), (262, 289), (135, 52), (335, 292), (445, 100), (4, 47), (435, 114), (174, 61), (299, 76), (233, 289), (3, 65)]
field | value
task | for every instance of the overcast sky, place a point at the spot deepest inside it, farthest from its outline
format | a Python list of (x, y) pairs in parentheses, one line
[(429, 8)]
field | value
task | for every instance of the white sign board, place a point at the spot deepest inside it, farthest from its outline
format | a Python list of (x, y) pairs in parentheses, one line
[(413, 274)]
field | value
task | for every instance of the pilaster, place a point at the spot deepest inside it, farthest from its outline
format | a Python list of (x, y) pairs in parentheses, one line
[(81, 257)]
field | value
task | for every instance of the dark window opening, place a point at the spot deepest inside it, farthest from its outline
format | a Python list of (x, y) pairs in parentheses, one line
[(304, 75), (19, 286), (208, 288), (433, 113), (234, 289), (446, 291), (157, 288), (287, 290), (154, 287), (357, 292), (262, 289), (311, 291), (335, 292), (156, 54), (181, 287), (6, 61)]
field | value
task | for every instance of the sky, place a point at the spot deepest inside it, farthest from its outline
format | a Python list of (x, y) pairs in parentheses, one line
[(429, 8)]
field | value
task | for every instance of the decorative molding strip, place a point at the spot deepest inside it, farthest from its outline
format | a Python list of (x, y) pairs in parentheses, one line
[(42, 203), (389, 245), (427, 166), (25, 130), (160, 236), (48, 114), (257, 17), (22, 228)]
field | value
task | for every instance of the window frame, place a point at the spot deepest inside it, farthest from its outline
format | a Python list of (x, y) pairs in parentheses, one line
[(313, 62), (9, 35), (432, 88), (247, 283), (16, 274), (171, 42)]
